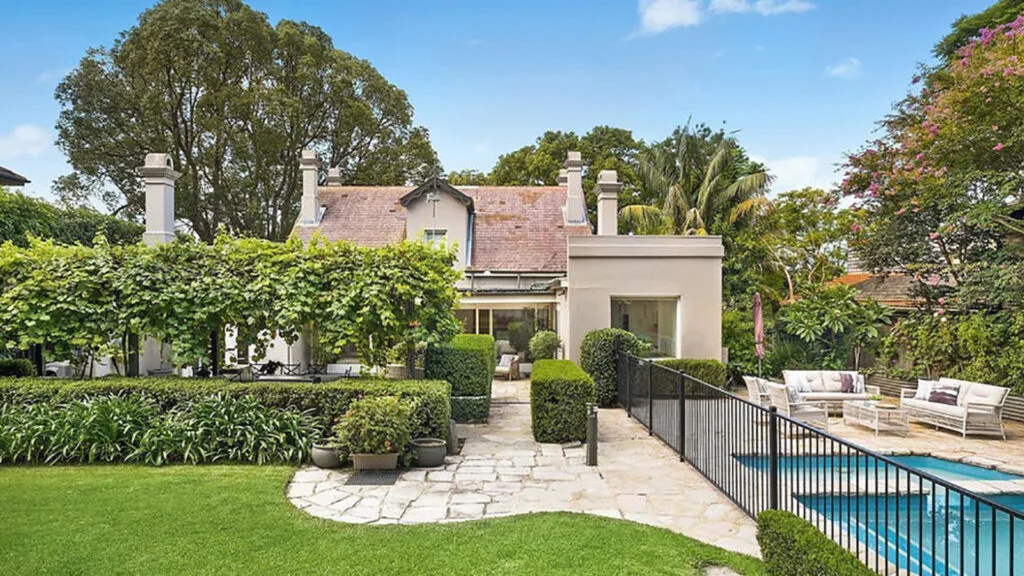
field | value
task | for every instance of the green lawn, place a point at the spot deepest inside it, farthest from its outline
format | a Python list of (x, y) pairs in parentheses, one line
[(235, 520)]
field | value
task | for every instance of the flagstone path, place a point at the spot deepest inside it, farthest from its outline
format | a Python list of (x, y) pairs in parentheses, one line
[(503, 471)]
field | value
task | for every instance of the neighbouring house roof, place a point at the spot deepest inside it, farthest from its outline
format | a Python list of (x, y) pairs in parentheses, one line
[(11, 178), (893, 290), (516, 228)]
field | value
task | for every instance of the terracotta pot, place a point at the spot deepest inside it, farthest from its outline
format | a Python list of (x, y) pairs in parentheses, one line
[(375, 461), (326, 456), (430, 452)]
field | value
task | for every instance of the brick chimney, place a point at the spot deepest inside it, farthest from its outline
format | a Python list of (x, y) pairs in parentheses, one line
[(575, 205), (607, 192), (159, 177), (309, 213)]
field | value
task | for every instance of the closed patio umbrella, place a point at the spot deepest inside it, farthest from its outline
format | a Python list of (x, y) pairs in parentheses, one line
[(758, 332)]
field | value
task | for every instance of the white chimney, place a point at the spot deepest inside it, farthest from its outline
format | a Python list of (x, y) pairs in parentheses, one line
[(563, 177), (159, 177), (334, 176), (607, 192), (575, 205), (309, 213)]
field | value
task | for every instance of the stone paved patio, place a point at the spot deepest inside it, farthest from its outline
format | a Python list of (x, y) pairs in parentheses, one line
[(502, 471)]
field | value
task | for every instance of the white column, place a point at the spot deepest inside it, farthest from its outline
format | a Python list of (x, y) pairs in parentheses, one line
[(309, 213), (159, 177), (575, 205), (607, 191)]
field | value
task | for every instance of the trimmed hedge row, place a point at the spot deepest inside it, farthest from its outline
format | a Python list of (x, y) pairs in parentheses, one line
[(559, 393), (708, 371), (327, 401), (791, 546), (17, 367), (598, 359), (467, 363)]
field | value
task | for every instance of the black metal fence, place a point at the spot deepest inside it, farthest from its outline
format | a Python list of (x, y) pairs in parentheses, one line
[(891, 515)]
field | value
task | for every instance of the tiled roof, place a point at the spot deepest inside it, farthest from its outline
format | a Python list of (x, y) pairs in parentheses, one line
[(894, 290), (12, 178), (517, 228)]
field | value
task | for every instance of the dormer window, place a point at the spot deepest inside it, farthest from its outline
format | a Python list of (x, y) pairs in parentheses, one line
[(434, 236)]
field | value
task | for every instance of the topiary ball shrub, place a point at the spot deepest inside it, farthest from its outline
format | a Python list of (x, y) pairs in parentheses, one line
[(598, 359), (544, 345), (17, 367), (559, 393), (791, 546)]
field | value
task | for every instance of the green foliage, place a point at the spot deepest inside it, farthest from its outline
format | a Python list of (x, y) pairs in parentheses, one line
[(544, 345), (79, 299), (559, 393), (791, 546), (467, 178), (968, 345), (519, 334), (22, 217), (597, 358), (17, 367), (967, 27), (134, 428), (233, 99), (467, 363), (834, 324), (376, 425), (708, 371), (327, 401), (471, 409)]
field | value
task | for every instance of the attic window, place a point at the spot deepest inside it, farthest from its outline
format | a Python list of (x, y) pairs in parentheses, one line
[(432, 236)]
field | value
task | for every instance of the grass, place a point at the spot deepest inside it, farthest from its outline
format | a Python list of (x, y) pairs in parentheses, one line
[(235, 520)]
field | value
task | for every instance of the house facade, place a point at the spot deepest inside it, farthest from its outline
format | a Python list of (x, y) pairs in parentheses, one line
[(528, 256)]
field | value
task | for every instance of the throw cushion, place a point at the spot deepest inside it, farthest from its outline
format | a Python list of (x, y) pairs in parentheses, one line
[(924, 389), (944, 393), (794, 395), (847, 383), (860, 386), (805, 384)]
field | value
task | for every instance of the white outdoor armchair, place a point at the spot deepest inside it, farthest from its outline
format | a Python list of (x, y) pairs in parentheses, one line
[(811, 413), (508, 366)]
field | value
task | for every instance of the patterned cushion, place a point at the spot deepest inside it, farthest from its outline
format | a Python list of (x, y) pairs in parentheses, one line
[(794, 395), (944, 393), (924, 389), (847, 383)]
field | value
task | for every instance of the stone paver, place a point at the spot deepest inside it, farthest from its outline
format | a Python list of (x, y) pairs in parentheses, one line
[(503, 471)]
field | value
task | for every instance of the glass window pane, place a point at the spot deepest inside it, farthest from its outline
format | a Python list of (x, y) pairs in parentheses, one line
[(651, 319), (484, 321)]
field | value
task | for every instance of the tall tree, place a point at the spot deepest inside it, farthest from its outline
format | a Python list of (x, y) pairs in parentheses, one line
[(468, 177), (697, 181), (967, 27), (234, 100)]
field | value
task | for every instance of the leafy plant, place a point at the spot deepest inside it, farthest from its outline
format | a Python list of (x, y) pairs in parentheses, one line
[(545, 345), (792, 546), (559, 393), (597, 358), (467, 363), (379, 425), (16, 367)]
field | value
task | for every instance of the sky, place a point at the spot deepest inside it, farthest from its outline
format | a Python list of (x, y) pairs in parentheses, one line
[(800, 81)]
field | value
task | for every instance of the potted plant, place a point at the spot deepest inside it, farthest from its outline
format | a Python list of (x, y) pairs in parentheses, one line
[(430, 452), (326, 455), (375, 431)]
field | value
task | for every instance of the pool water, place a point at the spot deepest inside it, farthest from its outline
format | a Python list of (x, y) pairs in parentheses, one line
[(952, 471)]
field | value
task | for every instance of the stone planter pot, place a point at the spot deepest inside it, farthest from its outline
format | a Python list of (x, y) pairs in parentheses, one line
[(430, 452), (375, 461), (326, 456), (525, 369)]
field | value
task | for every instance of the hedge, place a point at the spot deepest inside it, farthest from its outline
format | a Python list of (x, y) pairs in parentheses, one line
[(708, 371), (791, 546), (327, 401), (16, 367), (467, 363), (598, 360), (559, 393)]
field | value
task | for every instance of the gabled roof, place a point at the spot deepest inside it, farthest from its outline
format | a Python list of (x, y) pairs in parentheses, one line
[(516, 228), (435, 184), (11, 178), (893, 290)]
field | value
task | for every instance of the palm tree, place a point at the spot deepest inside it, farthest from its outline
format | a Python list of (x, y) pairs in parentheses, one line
[(702, 179)]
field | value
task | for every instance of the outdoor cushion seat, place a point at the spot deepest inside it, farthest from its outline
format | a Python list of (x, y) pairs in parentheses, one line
[(978, 408), (834, 396), (954, 411)]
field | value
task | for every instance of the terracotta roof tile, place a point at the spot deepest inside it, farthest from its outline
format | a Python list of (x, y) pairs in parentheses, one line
[(517, 228)]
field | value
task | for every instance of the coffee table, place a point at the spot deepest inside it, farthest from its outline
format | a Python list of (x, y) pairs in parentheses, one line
[(873, 416)]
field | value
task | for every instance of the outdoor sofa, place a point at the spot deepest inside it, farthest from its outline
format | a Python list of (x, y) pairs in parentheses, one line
[(827, 386), (958, 405), (789, 403)]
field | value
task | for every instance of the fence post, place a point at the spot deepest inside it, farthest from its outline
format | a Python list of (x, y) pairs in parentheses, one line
[(629, 383), (650, 397), (682, 417), (773, 454)]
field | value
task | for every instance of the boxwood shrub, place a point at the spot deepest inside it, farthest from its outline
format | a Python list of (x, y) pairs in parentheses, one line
[(791, 546), (708, 371), (559, 393), (598, 360), (18, 367), (467, 363), (327, 401)]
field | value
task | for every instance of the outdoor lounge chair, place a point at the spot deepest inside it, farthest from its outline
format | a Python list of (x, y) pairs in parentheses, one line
[(757, 391), (978, 409), (811, 413), (508, 367)]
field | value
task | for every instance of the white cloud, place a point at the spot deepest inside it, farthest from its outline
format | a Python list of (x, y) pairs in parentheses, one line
[(847, 68), (795, 172), (656, 16), (762, 7), (24, 140)]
